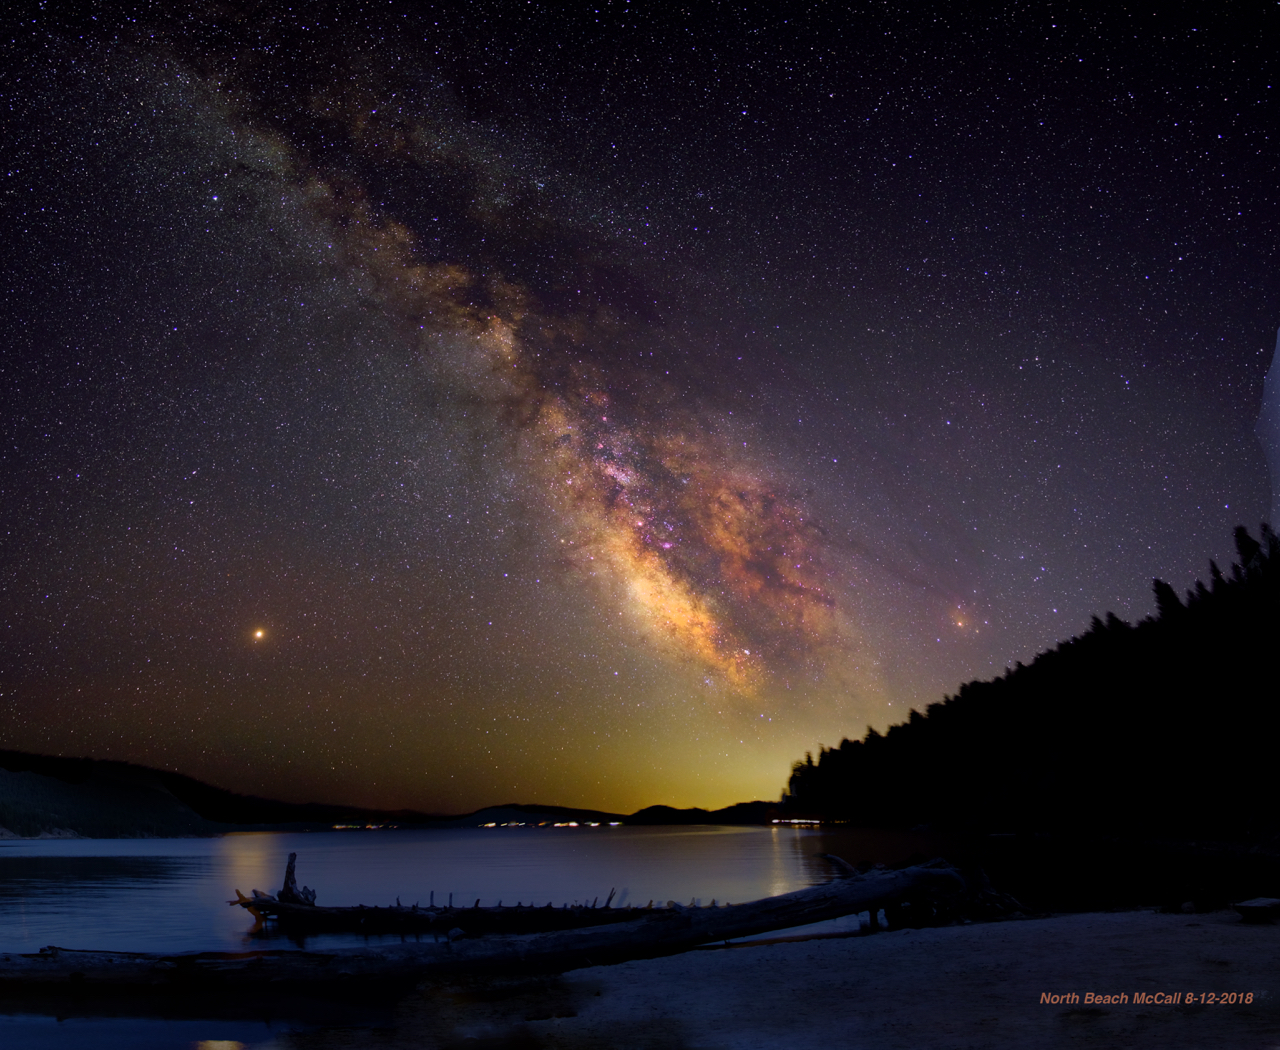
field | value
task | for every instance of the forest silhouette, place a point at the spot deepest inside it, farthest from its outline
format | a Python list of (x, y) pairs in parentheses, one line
[(1161, 729)]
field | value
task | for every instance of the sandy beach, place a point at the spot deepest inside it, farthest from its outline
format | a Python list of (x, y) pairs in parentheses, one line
[(969, 986)]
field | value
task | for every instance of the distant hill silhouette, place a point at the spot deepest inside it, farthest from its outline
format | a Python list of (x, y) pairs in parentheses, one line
[(93, 798), (1166, 728), (101, 798), (119, 802), (740, 813)]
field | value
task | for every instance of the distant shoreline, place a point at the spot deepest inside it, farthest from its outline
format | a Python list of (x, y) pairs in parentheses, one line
[(67, 835), (50, 796)]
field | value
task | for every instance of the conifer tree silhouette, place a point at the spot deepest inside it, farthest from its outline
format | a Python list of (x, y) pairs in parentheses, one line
[(1167, 603), (1249, 549), (1105, 726)]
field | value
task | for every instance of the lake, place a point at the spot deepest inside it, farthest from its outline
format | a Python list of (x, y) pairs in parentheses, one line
[(158, 895), (171, 894)]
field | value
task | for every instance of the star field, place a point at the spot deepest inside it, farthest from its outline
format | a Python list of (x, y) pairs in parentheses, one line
[(442, 406)]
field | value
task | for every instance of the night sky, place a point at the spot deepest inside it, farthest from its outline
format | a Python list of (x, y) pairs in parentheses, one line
[(438, 406)]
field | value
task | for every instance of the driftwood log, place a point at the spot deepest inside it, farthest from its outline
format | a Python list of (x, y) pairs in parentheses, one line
[(1259, 910), (296, 912), (647, 934), (289, 892)]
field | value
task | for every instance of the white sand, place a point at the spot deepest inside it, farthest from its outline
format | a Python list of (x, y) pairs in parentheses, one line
[(957, 987)]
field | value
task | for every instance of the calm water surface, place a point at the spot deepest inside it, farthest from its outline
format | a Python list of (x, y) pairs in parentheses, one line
[(171, 894)]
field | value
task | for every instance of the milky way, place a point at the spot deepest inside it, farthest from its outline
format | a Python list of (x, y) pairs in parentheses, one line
[(720, 568), (445, 407)]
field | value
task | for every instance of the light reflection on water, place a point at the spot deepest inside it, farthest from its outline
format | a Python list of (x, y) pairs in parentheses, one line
[(29, 1032), (171, 894)]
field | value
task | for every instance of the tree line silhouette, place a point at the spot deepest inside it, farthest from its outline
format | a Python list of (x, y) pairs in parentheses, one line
[(1164, 728)]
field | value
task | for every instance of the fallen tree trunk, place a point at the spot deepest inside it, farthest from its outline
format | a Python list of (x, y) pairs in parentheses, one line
[(665, 931), (301, 920), (295, 911), (676, 929)]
